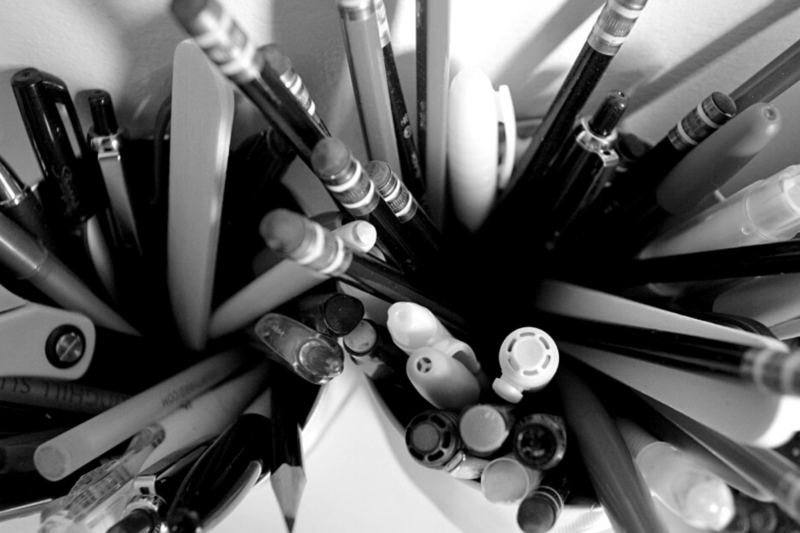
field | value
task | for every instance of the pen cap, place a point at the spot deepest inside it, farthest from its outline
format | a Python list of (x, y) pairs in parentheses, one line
[(313, 356), (539, 440), (528, 361), (507, 481), (432, 438), (442, 380), (773, 205), (484, 428)]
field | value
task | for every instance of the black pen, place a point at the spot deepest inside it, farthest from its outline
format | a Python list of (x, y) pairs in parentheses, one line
[(294, 236), (226, 471), (71, 193), (622, 222), (533, 170), (584, 166)]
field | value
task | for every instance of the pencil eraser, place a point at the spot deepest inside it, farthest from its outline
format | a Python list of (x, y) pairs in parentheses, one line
[(188, 10), (330, 156), (282, 230)]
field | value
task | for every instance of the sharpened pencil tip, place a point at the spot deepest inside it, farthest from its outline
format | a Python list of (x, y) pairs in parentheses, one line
[(289, 523)]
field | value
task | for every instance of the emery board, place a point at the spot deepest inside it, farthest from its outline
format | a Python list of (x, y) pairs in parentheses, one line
[(740, 412), (201, 125)]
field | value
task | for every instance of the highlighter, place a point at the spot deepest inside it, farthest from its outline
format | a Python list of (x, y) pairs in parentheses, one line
[(766, 211), (442, 380), (700, 498), (474, 112), (528, 360), (315, 357)]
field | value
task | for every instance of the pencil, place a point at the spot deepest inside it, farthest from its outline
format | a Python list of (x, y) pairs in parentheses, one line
[(368, 72), (772, 80), (410, 169), (532, 171), (433, 83)]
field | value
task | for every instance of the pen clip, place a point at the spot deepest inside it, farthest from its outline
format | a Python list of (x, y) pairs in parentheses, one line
[(506, 117), (42, 341)]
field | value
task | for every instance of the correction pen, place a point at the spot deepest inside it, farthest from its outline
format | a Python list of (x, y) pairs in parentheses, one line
[(442, 380), (528, 361), (700, 498)]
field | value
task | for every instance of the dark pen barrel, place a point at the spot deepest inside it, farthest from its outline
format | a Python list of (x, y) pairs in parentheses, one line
[(102, 109)]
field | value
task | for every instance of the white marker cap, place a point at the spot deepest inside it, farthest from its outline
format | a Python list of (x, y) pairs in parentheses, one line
[(528, 360)]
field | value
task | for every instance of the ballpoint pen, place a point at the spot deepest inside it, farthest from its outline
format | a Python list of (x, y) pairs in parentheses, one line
[(107, 139), (19, 203), (71, 192), (584, 166), (27, 259)]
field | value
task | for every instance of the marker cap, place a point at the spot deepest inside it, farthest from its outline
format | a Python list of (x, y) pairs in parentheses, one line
[(484, 428), (539, 512), (442, 380), (432, 438), (528, 360), (540, 441), (505, 480)]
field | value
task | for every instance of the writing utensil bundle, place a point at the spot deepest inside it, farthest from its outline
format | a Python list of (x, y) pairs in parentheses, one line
[(651, 385)]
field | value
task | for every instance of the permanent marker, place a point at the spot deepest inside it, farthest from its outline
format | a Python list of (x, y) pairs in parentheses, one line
[(71, 192)]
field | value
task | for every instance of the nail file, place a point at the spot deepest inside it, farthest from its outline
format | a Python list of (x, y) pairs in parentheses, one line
[(202, 121)]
